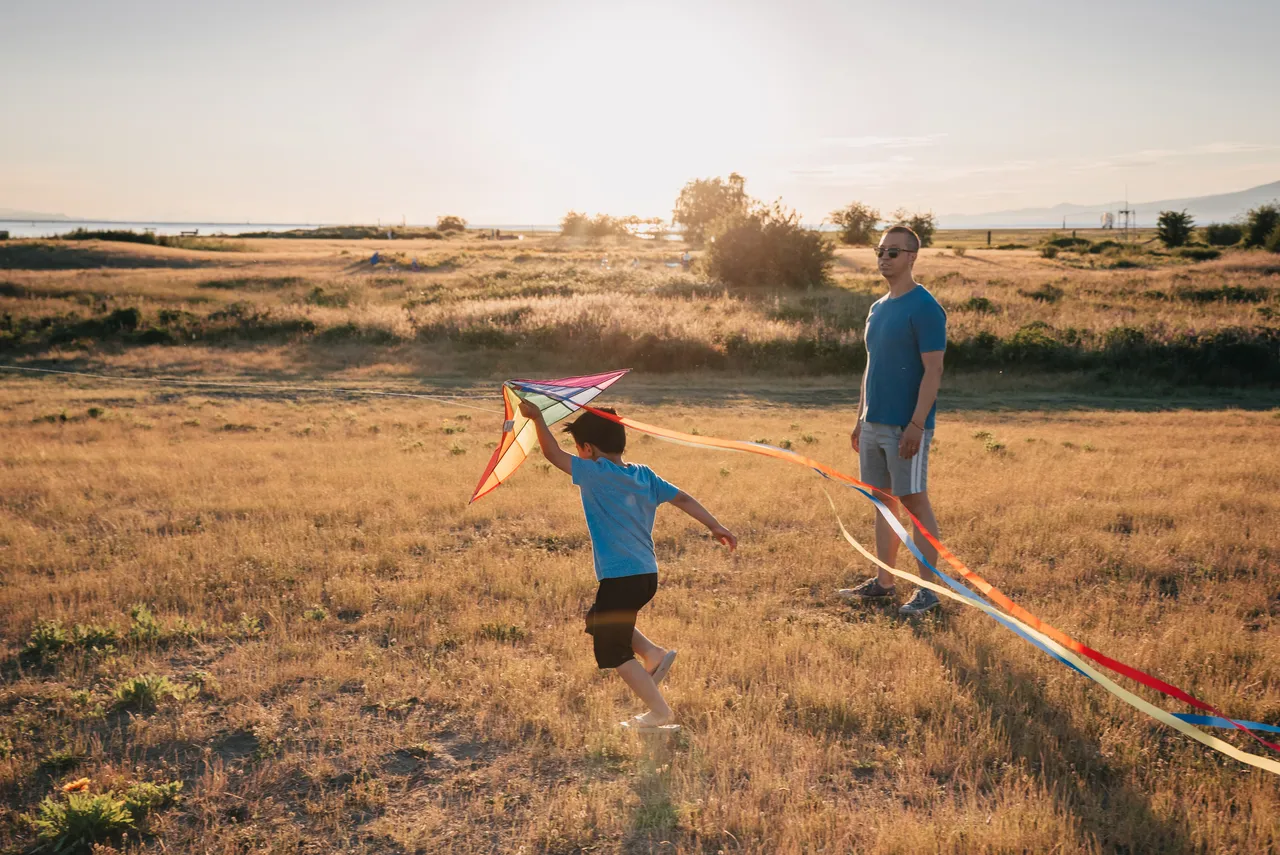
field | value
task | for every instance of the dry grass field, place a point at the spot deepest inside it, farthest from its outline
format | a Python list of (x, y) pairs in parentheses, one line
[(282, 601)]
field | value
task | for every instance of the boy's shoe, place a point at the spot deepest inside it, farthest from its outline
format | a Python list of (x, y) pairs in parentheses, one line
[(663, 667), (868, 590), (920, 603)]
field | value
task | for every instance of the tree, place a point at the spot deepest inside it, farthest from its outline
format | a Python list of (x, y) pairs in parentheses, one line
[(924, 225), (857, 223), (575, 224), (1222, 234), (1174, 228), (1259, 223), (450, 223), (767, 246), (704, 201)]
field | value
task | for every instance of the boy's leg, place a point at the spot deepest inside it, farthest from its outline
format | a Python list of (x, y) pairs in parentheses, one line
[(646, 651), (633, 673)]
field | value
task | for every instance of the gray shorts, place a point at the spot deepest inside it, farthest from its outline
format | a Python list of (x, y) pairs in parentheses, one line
[(880, 465)]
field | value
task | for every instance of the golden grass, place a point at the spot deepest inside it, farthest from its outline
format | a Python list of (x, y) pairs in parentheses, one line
[(383, 669)]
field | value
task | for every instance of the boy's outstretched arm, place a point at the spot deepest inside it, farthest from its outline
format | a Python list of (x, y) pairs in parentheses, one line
[(693, 508), (551, 449)]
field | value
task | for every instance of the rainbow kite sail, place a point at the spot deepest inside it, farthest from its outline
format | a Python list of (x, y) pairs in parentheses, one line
[(556, 398)]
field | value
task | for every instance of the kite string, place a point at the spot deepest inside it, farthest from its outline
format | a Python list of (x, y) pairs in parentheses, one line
[(455, 400)]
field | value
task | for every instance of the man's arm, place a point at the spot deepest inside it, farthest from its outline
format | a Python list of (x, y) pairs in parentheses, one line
[(855, 438), (929, 386), (693, 508), (551, 449)]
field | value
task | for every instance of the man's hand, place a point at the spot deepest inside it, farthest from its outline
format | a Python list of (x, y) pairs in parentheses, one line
[(725, 536), (855, 438), (529, 411), (909, 446)]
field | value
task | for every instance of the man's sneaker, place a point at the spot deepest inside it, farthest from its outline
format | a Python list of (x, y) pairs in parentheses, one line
[(920, 603), (868, 590)]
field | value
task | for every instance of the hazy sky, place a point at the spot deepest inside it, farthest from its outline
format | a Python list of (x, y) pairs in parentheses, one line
[(505, 112)]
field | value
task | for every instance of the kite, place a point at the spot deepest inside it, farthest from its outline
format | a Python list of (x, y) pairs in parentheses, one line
[(558, 399)]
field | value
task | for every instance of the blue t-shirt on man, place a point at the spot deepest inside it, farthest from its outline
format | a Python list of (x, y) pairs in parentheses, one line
[(899, 329), (620, 503)]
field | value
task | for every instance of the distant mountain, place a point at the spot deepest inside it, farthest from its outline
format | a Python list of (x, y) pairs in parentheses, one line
[(1204, 209), (19, 214)]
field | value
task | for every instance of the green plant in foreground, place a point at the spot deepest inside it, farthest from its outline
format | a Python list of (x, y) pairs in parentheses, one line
[(74, 825)]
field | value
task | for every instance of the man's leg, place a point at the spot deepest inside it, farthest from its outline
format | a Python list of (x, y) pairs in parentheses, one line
[(918, 504), (886, 550)]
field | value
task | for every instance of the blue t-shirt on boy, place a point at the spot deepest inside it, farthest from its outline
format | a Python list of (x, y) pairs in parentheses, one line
[(899, 329), (620, 503)]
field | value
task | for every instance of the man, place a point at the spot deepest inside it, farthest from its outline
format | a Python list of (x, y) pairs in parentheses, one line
[(906, 337)]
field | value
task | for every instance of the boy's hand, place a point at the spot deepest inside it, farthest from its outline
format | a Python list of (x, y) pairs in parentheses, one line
[(725, 536), (529, 411)]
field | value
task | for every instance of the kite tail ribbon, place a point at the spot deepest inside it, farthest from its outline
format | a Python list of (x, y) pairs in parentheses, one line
[(1053, 641)]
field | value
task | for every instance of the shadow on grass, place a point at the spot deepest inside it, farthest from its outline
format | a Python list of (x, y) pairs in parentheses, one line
[(1111, 810)]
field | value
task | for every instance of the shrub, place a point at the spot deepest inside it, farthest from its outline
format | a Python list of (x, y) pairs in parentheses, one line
[(1104, 245), (769, 246), (959, 251), (147, 692), (1223, 234), (575, 224), (980, 305), (450, 223), (1048, 251), (47, 640), (857, 223), (95, 637), (1046, 293), (706, 201), (1272, 242), (145, 629), (1260, 223), (82, 820), (1067, 242), (1200, 253), (142, 798), (1173, 228), (924, 225)]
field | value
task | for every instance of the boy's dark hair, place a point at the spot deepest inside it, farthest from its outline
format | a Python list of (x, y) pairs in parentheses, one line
[(608, 436)]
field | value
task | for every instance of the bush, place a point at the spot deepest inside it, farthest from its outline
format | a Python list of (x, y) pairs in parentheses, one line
[(1272, 242), (1200, 253), (981, 305), (1260, 223), (1067, 242), (142, 798), (924, 225), (857, 223), (1173, 228), (47, 640), (575, 224), (146, 693), (1104, 245), (1048, 251), (450, 223), (706, 201), (1223, 234), (81, 821), (768, 246)]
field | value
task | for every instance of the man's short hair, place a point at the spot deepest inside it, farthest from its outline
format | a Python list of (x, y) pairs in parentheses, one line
[(913, 239), (607, 436)]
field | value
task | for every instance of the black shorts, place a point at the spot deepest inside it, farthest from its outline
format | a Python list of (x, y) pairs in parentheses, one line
[(612, 616)]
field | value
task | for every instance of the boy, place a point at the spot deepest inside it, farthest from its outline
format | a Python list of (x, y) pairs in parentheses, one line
[(619, 500)]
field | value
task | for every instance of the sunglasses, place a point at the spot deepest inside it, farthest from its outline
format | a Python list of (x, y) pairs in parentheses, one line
[(892, 252)]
